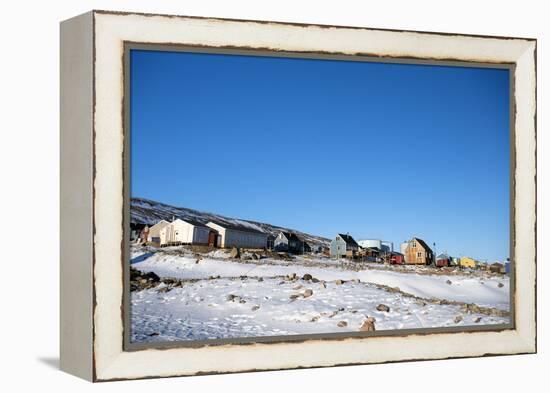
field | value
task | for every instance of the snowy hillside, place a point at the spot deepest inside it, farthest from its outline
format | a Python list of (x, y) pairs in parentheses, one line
[(145, 211), (194, 296)]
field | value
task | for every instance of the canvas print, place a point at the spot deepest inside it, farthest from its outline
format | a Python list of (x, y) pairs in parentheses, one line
[(284, 196)]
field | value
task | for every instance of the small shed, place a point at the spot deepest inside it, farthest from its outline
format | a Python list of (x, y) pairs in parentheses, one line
[(396, 258), (443, 260)]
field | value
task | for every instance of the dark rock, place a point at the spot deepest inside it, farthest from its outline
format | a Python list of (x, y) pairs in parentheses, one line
[(342, 324), (500, 285), (449, 282), (151, 276), (339, 282), (307, 277), (458, 319), (383, 308)]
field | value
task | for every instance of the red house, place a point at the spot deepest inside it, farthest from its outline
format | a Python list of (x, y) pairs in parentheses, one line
[(442, 260), (397, 258)]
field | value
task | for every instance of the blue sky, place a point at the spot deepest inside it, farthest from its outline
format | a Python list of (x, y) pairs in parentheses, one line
[(378, 150)]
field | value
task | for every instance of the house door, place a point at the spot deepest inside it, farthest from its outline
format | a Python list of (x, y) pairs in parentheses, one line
[(212, 238)]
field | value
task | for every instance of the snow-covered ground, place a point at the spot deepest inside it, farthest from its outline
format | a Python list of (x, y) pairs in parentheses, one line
[(225, 298)]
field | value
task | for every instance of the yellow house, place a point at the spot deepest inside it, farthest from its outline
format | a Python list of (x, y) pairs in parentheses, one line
[(467, 262)]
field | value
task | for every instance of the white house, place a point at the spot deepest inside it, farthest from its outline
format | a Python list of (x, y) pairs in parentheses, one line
[(157, 233), (188, 232), (232, 235), (181, 232)]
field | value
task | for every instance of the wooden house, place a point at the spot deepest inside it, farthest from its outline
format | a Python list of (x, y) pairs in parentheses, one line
[(235, 235), (288, 242), (467, 262), (343, 245), (418, 253)]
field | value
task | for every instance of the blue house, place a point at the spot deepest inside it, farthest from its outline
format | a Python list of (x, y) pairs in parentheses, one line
[(343, 246)]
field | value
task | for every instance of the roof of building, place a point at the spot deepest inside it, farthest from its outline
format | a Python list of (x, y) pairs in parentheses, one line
[(349, 240), (291, 236), (237, 227), (422, 243), (192, 222), (443, 256)]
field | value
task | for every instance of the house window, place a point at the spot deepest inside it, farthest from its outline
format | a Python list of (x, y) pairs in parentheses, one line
[(419, 254)]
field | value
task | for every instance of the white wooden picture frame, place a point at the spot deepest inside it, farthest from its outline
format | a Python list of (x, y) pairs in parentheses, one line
[(93, 194)]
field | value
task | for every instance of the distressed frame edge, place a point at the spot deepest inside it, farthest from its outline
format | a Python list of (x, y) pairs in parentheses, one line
[(529, 348), (76, 196)]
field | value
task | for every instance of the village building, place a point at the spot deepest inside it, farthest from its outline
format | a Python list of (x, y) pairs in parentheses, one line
[(442, 260), (135, 231), (234, 235), (467, 262), (480, 265), (190, 232), (418, 253), (181, 232), (289, 242), (382, 245), (144, 235), (395, 258), (455, 261), (372, 254), (270, 242), (343, 245), (157, 233), (497, 267)]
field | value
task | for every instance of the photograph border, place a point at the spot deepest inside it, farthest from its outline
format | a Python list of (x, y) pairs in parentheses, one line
[(92, 195), (202, 49)]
